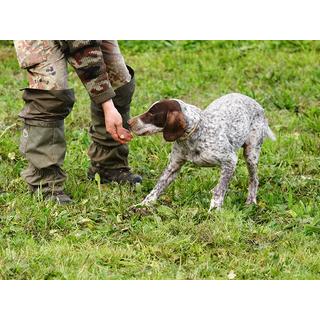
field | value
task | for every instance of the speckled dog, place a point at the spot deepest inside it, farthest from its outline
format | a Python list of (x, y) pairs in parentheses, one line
[(208, 137)]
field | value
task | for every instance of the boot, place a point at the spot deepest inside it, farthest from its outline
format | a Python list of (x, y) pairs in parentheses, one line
[(47, 183), (114, 175), (58, 196)]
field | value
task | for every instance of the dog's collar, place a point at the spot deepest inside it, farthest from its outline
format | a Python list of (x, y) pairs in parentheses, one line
[(194, 128)]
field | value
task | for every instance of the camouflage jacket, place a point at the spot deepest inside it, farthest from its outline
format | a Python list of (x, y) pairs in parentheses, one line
[(87, 59)]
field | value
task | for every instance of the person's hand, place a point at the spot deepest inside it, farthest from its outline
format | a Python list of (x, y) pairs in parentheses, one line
[(113, 122)]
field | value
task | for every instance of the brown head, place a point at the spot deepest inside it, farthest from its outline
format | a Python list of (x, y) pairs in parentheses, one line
[(164, 116)]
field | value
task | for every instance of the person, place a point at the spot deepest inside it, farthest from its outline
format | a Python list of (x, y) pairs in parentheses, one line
[(110, 84)]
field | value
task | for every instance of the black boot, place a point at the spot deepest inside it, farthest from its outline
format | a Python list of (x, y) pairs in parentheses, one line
[(58, 196), (123, 175)]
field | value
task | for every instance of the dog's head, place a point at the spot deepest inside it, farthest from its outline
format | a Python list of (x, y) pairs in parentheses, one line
[(163, 116)]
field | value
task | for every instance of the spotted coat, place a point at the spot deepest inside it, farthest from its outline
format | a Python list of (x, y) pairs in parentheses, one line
[(212, 137)]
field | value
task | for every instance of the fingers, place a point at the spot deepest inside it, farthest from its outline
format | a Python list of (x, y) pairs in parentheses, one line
[(113, 123), (115, 135), (120, 134), (124, 134)]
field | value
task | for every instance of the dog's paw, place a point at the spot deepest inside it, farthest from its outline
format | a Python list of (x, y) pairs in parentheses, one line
[(215, 204), (251, 200), (216, 201), (142, 209)]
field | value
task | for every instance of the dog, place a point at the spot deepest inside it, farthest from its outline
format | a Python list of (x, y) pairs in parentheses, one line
[(209, 137)]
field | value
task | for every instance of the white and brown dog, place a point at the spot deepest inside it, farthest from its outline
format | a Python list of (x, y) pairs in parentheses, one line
[(207, 137)]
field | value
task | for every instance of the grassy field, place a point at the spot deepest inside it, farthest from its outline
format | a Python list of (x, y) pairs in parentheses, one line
[(94, 239)]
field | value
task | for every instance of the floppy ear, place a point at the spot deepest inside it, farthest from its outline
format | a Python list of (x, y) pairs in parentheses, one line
[(175, 125)]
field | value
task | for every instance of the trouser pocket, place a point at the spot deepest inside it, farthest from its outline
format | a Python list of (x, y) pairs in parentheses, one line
[(30, 52)]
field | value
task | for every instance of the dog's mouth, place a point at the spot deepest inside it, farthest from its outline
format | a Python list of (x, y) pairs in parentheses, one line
[(142, 132)]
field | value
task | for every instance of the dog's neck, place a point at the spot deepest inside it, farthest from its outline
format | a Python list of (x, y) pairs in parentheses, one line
[(192, 117)]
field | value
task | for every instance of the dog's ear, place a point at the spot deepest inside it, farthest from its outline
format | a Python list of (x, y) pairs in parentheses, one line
[(175, 125)]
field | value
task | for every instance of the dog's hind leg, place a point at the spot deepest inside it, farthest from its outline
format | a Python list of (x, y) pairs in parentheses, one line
[(251, 152)]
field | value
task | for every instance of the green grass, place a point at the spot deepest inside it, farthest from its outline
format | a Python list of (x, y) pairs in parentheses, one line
[(94, 239)]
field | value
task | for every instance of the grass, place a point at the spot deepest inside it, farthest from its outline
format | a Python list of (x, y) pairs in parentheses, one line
[(93, 239)]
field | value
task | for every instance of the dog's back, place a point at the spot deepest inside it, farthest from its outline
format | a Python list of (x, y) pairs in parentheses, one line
[(237, 115)]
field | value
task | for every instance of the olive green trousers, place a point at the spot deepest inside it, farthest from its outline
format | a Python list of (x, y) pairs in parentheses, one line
[(43, 141)]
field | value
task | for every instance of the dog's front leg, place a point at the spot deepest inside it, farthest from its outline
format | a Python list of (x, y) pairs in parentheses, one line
[(166, 178), (227, 170)]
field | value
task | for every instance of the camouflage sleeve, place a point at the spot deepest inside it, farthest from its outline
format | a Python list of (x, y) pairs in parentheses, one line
[(86, 58)]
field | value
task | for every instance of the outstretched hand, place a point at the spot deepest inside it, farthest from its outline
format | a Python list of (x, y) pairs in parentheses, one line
[(113, 123)]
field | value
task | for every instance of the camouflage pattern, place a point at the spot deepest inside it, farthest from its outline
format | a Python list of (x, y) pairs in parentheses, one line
[(102, 69), (87, 59), (30, 52), (45, 63), (99, 65), (117, 70)]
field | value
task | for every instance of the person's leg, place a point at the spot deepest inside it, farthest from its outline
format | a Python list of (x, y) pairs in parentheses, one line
[(108, 157), (47, 102)]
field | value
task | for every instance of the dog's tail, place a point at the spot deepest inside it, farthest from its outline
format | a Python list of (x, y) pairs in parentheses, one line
[(269, 134)]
